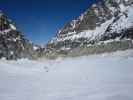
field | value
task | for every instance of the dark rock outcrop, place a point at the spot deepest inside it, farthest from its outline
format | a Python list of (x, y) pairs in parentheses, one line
[(13, 44)]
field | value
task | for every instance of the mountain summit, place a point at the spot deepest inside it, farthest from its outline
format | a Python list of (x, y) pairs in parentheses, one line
[(106, 20), (13, 44)]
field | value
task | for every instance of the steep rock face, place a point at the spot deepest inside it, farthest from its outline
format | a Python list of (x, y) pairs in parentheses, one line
[(104, 20), (122, 25), (13, 44)]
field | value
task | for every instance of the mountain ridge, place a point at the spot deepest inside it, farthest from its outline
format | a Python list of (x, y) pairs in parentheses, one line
[(13, 43), (103, 21)]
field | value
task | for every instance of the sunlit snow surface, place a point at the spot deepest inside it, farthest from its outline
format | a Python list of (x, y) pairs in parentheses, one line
[(96, 77)]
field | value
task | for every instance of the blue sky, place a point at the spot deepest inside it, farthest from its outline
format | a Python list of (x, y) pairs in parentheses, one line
[(40, 19)]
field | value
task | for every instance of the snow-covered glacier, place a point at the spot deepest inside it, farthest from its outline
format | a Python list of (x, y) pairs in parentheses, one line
[(94, 77)]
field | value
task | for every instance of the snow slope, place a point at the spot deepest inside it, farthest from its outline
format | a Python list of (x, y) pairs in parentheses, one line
[(125, 21), (97, 77), (104, 20)]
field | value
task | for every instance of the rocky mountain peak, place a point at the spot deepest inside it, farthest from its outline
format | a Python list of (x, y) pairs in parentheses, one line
[(13, 44), (104, 20), (6, 23)]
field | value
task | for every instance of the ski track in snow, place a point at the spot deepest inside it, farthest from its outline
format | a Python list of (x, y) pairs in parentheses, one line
[(96, 77)]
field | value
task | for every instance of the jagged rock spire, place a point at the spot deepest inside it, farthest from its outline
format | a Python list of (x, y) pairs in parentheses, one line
[(5, 23)]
